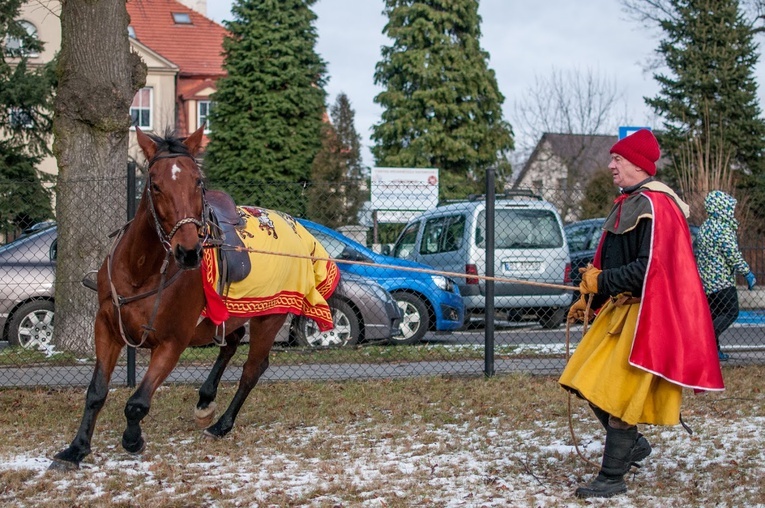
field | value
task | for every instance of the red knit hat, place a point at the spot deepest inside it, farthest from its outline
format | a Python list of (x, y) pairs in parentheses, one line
[(641, 149)]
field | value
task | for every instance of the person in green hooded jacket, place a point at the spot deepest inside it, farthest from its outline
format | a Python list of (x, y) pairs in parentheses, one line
[(719, 260)]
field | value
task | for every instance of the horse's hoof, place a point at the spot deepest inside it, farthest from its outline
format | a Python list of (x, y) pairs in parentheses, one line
[(207, 433), (204, 417), (135, 449), (63, 465)]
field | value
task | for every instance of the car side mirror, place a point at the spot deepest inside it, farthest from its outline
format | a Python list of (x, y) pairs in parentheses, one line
[(385, 249), (350, 254)]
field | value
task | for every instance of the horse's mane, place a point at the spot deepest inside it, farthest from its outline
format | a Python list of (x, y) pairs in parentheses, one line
[(170, 144)]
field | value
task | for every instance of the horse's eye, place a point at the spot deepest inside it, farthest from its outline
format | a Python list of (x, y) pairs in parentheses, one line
[(200, 183), (154, 187)]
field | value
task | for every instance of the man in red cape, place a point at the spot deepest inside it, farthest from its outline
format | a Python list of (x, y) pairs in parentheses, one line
[(653, 334)]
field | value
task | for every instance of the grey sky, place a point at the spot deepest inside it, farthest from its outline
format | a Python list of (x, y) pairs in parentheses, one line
[(524, 38)]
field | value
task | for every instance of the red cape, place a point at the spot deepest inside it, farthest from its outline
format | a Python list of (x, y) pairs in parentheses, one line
[(674, 336)]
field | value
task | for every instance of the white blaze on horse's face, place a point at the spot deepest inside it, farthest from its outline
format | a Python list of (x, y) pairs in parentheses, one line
[(175, 170)]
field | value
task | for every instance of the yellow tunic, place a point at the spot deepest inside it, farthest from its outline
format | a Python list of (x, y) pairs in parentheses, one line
[(600, 372)]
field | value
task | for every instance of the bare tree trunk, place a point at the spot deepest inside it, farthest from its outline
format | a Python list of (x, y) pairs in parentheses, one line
[(98, 77)]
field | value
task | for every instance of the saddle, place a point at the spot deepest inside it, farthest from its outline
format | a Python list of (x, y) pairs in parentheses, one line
[(234, 264)]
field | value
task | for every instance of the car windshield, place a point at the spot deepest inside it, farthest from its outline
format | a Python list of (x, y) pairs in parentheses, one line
[(338, 249), (32, 247), (19, 240), (521, 229)]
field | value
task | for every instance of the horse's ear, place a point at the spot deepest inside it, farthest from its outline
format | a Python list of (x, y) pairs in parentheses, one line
[(194, 142), (148, 146)]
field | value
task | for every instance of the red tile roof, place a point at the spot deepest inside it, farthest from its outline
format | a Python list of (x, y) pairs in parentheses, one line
[(189, 88), (196, 48)]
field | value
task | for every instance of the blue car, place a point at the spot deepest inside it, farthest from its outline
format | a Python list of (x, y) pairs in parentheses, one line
[(427, 302)]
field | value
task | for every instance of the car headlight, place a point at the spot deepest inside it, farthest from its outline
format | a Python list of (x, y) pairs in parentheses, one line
[(444, 283)]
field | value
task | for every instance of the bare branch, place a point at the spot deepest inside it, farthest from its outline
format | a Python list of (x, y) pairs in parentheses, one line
[(568, 102)]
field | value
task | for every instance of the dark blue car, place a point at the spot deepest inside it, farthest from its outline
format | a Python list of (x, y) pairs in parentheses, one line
[(427, 302), (583, 238)]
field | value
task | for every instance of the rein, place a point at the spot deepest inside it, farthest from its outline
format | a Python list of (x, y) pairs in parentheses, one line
[(225, 246), (571, 395), (164, 239)]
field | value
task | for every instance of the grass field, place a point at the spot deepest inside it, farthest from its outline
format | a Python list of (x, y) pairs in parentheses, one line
[(437, 442)]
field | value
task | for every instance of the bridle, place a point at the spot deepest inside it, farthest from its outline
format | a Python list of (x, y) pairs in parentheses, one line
[(164, 239)]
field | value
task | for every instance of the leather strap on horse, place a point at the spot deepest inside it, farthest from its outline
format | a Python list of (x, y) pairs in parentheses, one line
[(119, 301)]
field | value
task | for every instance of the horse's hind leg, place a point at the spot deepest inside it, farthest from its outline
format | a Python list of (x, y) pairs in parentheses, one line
[(163, 360), (205, 410), (107, 353), (263, 331)]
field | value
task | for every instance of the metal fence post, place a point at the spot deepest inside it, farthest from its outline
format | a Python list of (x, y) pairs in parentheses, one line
[(489, 306), (131, 194)]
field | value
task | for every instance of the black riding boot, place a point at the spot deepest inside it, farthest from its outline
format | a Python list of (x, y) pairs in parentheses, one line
[(642, 448), (616, 463)]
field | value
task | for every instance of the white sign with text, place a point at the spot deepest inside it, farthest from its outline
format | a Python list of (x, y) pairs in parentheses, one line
[(398, 194)]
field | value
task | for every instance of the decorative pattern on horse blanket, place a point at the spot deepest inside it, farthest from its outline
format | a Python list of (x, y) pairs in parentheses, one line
[(277, 284)]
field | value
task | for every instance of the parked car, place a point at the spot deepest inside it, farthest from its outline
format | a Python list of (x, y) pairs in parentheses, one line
[(529, 246), (427, 302), (27, 276), (583, 238), (362, 311)]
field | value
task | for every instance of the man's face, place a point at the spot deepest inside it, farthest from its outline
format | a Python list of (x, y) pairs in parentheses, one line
[(624, 172)]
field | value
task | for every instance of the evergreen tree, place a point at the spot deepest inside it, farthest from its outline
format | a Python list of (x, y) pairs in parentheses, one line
[(599, 195), (335, 195), (709, 97), (25, 123), (441, 103), (268, 110)]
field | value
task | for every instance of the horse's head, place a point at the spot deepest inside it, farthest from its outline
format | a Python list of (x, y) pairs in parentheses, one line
[(174, 194)]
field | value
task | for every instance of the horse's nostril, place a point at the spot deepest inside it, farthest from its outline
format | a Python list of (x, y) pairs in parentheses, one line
[(188, 258)]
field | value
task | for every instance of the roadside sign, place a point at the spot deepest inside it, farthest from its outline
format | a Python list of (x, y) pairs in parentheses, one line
[(626, 131), (397, 194)]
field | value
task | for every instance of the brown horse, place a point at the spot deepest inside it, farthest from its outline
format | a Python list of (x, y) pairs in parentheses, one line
[(148, 300)]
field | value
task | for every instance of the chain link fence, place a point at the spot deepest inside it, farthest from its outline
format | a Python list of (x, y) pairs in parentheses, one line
[(416, 299)]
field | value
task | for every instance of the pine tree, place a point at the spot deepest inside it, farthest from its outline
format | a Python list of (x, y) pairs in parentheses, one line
[(267, 112), (599, 195), (441, 103), (709, 96), (335, 195), (343, 118), (25, 123)]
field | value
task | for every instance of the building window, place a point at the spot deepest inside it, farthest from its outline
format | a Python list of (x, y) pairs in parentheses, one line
[(14, 46), (181, 18), (131, 32), (140, 110), (203, 114)]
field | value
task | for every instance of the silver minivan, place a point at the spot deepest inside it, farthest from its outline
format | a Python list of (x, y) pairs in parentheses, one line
[(529, 246)]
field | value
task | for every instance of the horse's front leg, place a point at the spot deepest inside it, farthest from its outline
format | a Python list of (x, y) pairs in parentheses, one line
[(262, 334), (205, 409), (163, 360), (107, 353)]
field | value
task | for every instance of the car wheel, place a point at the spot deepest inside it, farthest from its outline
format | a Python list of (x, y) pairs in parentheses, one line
[(552, 318), (414, 319), (32, 324), (345, 333)]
